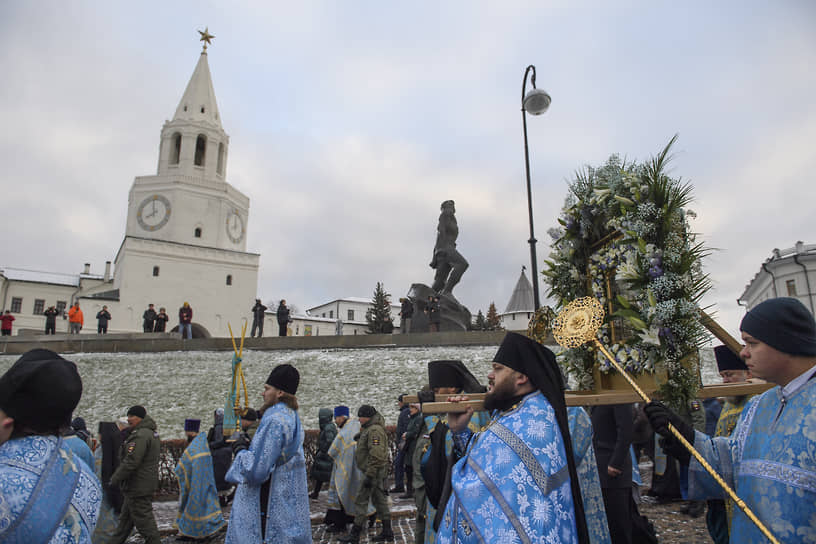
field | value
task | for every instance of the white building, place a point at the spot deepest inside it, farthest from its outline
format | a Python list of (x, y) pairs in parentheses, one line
[(520, 307), (788, 272), (322, 320), (185, 237)]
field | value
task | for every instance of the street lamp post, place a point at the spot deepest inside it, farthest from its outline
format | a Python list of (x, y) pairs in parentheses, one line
[(537, 101)]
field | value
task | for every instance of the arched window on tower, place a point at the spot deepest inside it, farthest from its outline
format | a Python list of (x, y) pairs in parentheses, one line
[(155, 271), (229, 279), (220, 164), (175, 149), (197, 232), (201, 150)]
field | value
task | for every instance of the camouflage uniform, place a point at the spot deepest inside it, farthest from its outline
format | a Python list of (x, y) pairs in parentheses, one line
[(372, 459), (138, 476)]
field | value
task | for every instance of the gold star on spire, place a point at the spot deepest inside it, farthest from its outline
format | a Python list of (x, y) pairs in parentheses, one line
[(206, 37)]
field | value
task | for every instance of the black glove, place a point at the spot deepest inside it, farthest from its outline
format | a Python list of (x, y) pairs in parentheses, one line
[(660, 417), (368, 482), (241, 443)]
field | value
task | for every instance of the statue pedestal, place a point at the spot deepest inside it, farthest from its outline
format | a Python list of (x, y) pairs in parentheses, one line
[(454, 316)]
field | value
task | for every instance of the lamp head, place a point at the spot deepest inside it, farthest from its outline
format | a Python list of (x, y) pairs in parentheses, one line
[(536, 102)]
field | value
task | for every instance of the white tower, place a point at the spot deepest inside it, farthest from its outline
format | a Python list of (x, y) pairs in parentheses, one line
[(185, 237)]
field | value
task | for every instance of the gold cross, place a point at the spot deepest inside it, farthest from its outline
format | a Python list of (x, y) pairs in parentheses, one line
[(206, 37)]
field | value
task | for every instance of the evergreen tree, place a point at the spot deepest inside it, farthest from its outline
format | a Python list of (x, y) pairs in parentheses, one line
[(481, 323), (378, 316), (493, 323)]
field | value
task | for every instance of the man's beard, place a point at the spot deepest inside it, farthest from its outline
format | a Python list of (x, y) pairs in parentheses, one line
[(500, 398), (269, 404)]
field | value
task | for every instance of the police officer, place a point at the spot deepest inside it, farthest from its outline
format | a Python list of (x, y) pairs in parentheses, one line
[(372, 459), (138, 476)]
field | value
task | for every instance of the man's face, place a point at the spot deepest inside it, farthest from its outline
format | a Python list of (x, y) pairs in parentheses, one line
[(133, 420), (270, 394), (364, 420), (150, 306), (734, 376), (413, 409), (6, 427), (762, 360), (339, 420), (503, 383)]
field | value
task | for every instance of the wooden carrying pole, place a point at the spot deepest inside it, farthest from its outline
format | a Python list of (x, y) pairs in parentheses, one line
[(720, 333)]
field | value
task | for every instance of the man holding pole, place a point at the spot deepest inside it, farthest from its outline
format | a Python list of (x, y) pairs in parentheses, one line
[(770, 458)]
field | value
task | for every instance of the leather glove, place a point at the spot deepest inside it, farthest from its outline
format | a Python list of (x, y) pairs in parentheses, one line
[(368, 482), (660, 417), (241, 443)]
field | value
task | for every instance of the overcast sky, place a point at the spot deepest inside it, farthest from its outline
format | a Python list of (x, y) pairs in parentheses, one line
[(350, 122)]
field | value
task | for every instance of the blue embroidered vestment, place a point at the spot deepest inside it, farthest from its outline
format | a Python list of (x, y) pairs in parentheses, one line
[(46, 494), (199, 514), (513, 483), (580, 426), (770, 461), (275, 454)]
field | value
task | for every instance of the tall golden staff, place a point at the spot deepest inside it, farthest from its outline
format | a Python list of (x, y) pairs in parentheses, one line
[(576, 325), (238, 381)]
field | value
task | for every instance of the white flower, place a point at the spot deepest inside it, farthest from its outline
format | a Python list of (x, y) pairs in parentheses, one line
[(650, 336)]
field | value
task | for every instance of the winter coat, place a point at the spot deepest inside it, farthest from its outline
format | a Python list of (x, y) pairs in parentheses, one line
[(283, 314), (103, 316), (185, 315), (411, 435), (372, 449), (6, 319), (258, 311), (51, 316), (323, 463), (138, 471), (75, 315)]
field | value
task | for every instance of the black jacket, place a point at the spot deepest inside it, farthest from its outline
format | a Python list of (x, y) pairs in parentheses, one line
[(258, 311), (283, 314), (613, 426), (103, 316), (149, 316)]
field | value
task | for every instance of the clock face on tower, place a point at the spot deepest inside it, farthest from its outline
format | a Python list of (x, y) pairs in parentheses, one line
[(153, 213), (235, 227)]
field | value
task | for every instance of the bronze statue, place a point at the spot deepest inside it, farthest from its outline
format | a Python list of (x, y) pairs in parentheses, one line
[(448, 262)]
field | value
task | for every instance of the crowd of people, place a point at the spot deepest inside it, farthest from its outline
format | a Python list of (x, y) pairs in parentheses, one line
[(526, 468)]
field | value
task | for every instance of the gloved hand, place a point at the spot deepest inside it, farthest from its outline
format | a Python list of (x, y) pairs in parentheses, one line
[(368, 482), (660, 417), (241, 443)]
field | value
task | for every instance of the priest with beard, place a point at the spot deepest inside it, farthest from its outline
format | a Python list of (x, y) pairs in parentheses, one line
[(516, 480)]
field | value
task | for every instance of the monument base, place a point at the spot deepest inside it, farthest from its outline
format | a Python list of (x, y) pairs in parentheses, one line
[(454, 316)]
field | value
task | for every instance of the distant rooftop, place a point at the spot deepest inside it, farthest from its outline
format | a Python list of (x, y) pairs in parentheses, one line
[(38, 276), (522, 298)]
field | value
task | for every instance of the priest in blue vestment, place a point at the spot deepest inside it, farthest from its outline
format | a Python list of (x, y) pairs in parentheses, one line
[(199, 513), (515, 481), (275, 454), (47, 495), (580, 426), (770, 458)]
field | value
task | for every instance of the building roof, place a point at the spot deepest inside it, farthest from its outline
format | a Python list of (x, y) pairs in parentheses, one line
[(37, 276), (199, 95), (358, 300), (779, 256), (522, 298)]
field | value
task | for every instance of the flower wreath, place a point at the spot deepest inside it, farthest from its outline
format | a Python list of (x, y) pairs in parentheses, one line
[(624, 239)]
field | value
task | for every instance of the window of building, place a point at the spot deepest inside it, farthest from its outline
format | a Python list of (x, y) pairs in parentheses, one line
[(175, 150), (355, 331), (16, 304), (61, 304), (201, 150), (185, 107), (197, 232), (155, 271), (791, 285), (229, 279), (331, 313), (39, 306), (351, 315), (219, 168), (323, 314), (202, 109)]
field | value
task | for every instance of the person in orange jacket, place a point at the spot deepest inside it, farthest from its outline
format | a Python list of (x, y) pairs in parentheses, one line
[(75, 318)]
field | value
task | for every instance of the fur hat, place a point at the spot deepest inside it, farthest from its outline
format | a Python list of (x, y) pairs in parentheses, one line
[(138, 411), (366, 410), (285, 377)]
